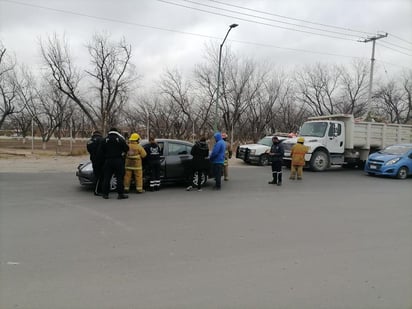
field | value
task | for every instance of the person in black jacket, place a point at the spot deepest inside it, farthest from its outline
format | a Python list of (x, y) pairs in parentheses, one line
[(93, 147), (113, 149), (276, 155), (200, 162), (153, 152)]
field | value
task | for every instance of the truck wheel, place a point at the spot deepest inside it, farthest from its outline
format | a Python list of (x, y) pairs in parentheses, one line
[(264, 160), (403, 173), (319, 161)]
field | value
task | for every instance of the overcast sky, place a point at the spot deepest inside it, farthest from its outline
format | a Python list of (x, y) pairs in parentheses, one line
[(173, 33)]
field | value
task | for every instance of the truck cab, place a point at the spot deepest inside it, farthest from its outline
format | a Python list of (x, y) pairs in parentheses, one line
[(326, 142)]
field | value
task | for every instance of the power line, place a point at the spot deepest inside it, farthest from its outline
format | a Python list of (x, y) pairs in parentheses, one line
[(388, 47), (395, 36), (253, 21), (270, 19), (398, 46), (178, 31), (291, 18)]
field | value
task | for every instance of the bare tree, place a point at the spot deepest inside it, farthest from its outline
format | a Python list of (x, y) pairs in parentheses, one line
[(393, 101), (65, 75), (112, 76), (407, 97), (8, 87), (318, 86), (354, 90)]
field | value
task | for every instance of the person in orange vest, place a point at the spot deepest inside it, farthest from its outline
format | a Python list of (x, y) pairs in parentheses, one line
[(133, 164), (297, 153)]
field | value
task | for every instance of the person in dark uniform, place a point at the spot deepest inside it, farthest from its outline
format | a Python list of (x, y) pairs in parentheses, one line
[(276, 155), (93, 147), (153, 152), (200, 162), (114, 148)]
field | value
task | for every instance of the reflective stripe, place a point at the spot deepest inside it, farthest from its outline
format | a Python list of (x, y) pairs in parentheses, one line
[(133, 157)]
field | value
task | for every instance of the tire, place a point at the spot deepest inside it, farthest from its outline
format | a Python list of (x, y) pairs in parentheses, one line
[(194, 179), (264, 160), (402, 173), (319, 161)]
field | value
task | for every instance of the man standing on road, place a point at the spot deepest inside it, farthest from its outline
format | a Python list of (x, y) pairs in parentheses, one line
[(276, 153), (93, 147), (217, 158), (114, 148), (200, 164)]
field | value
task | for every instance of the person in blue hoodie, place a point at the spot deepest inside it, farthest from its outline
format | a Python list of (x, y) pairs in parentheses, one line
[(217, 158)]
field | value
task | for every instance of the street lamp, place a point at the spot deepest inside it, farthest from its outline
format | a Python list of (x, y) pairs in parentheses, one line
[(218, 73)]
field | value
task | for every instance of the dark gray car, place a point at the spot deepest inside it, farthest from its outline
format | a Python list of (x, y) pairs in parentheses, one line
[(175, 165)]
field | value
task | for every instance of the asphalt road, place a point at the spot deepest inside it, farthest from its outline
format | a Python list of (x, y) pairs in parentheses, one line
[(338, 239)]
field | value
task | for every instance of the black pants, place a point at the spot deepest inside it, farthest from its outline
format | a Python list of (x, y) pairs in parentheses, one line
[(200, 172), (98, 176), (113, 166), (217, 173), (154, 175), (277, 171)]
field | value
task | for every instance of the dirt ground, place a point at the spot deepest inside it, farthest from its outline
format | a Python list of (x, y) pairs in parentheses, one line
[(24, 161)]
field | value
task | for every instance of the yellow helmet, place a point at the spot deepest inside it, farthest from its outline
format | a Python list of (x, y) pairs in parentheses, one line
[(134, 137), (301, 140)]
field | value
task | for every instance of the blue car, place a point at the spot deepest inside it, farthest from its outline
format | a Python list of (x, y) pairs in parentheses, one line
[(393, 161)]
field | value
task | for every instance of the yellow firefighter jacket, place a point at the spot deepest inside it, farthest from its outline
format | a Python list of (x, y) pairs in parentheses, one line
[(298, 154), (134, 156)]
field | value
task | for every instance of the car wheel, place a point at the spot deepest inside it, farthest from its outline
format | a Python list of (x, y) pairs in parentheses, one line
[(403, 173), (264, 160), (319, 161), (203, 179)]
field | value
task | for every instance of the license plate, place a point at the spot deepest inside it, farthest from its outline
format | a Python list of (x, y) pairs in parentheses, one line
[(373, 166)]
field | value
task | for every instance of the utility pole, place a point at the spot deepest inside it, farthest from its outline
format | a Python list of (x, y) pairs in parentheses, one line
[(373, 39)]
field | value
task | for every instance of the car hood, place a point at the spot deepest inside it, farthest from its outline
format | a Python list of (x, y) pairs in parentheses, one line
[(254, 146), (383, 156)]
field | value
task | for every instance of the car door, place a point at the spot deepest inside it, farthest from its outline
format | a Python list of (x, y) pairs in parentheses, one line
[(178, 159), (336, 137)]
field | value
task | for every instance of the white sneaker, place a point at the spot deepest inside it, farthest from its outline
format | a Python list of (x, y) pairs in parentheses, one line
[(199, 190), (189, 188)]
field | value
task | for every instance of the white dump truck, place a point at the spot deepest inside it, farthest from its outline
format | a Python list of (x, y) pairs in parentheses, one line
[(342, 140)]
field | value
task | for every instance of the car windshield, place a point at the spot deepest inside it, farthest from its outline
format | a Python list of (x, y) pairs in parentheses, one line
[(317, 129), (267, 141), (396, 149)]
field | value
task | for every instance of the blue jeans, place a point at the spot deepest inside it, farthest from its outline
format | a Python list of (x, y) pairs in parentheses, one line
[(217, 173)]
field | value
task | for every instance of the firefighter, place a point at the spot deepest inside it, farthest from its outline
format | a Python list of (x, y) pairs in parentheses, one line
[(228, 155), (133, 164), (297, 153)]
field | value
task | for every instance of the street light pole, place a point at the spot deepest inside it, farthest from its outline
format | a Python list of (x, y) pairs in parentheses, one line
[(218, 74)]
